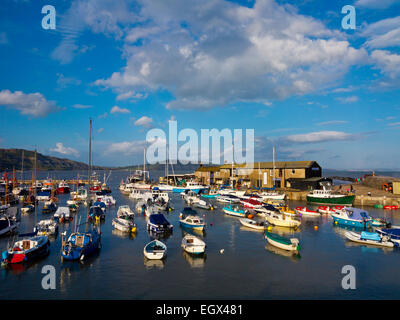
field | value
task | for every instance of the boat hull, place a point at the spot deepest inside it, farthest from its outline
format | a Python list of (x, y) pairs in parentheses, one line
[(352, 223), (345, 201), (234, 213), (281, 243), (192, 226)]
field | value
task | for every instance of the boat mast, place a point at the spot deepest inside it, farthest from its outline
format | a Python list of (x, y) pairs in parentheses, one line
[(35, 189), (90, 169), (273, 165), (90, 153), (144, 165), (22, 167)]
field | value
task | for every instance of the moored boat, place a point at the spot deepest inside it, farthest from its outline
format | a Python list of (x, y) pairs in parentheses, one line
[(190, 185), (276, 240), (304, 211), (393, 233), (249, 223), (124, 224), (26, 250), (158, 223), (155, 250), (281, 219), (63, 215), (325, 196), (192, 244), (189, 219), (47, 227), (352, 217), (63, 188), (326, 209), (79, 245), (251, 203), (371, 238), (234, 210)]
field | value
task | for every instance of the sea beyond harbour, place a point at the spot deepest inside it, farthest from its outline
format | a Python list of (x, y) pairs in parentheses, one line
[(248, 268)]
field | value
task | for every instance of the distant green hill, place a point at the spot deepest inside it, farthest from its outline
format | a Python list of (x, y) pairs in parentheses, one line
[(12, 158)]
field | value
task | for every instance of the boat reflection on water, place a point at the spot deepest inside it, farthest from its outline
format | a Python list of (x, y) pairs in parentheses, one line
[(154, 264), (341, 230), (283, 231), (292, 255), (368, 248), (124, 235), (195, 261), (159, 235), (200, 233)]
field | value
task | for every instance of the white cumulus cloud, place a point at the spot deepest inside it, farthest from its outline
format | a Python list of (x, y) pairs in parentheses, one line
[(144, 122), (117, 109), (60, 148), (31, 104)]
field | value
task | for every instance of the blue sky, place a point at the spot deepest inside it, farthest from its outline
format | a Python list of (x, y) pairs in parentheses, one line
[(287, 69)]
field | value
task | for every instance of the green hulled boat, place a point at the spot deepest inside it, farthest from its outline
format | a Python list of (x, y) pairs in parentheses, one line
[(326, 197), (282, 242)]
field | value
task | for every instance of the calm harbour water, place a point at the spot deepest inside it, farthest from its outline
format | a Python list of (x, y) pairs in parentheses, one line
[(249, 268)]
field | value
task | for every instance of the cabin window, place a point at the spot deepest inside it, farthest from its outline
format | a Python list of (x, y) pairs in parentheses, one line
[(189, 220)]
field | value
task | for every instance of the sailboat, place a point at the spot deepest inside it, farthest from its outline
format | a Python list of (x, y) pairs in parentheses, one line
[(143, 184), (30, 247), (163, 186), (79, 245), (272, 195)]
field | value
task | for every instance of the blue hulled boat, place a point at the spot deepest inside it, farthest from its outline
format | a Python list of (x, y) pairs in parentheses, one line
[(80, 245), (189, 219), (352, 217), (96, 212), (393, 233)]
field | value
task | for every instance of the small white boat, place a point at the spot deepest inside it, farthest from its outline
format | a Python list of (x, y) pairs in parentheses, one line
[(272, 196), (46, 227), (107, 199), (253, 224), (155, 250), (370, 238), (28, 208), (227, 198), (189, 219), (304, 211), (193, 245), (124, 224), (63, 214), (281, 220), (278, 241), (125, 210)]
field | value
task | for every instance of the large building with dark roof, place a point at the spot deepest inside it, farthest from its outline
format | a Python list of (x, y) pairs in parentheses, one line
[(260, 174)]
